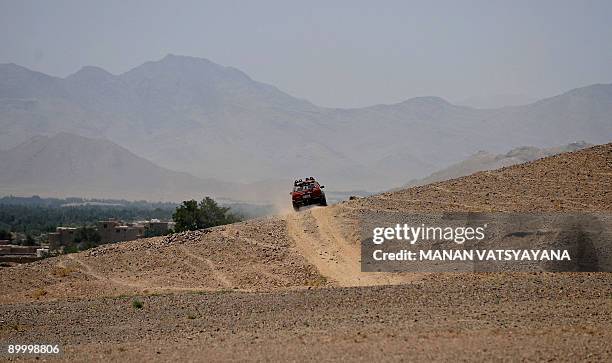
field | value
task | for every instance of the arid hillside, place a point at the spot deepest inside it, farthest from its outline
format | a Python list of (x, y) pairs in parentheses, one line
[(317, 247), (295, 281), (576, 181)]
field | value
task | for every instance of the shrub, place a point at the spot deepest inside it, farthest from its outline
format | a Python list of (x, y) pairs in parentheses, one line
[(70, 249), (137, 304)]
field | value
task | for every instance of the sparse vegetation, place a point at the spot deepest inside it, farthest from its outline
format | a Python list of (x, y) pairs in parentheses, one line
[(223, 290), (62, 271), (317, 281), (38, 293), (12, 327), (137, 304)]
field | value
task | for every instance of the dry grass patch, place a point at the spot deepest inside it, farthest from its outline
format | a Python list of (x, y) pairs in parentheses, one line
[(62, 271), (38, 293)]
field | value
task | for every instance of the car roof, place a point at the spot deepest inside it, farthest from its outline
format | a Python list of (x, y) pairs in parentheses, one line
[(308, 180)]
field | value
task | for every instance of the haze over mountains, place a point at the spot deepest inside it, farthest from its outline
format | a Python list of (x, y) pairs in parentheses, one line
[(190, 114), (497, 101), (484, 160), (67, 164), (71, 165)]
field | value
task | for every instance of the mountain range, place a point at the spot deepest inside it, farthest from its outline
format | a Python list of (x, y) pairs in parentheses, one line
[(215, 122)]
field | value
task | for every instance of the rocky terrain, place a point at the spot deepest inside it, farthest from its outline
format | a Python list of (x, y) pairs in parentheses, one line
[(290, 287)]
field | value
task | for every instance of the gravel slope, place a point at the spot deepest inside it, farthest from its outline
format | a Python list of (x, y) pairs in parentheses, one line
[(488, 317)]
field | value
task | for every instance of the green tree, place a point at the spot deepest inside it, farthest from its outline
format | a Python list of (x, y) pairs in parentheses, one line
[(211, 214), (5, 235), (190, 215), (29, 241), (187, 216), (87, 236)]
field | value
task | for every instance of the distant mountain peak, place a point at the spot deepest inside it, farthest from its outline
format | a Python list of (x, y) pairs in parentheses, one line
[(187, 61), (421, 102), (597, 89), (186, 66), (91, 73), (599, 93), (184, 58), (430, 100)]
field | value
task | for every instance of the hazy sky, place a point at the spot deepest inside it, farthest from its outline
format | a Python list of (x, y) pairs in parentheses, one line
[(333, 53)]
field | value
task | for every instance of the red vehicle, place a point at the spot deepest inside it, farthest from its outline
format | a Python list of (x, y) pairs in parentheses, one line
[(307, 192)]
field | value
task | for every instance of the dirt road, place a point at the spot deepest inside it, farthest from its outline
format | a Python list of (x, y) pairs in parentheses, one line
[(319, 236)]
